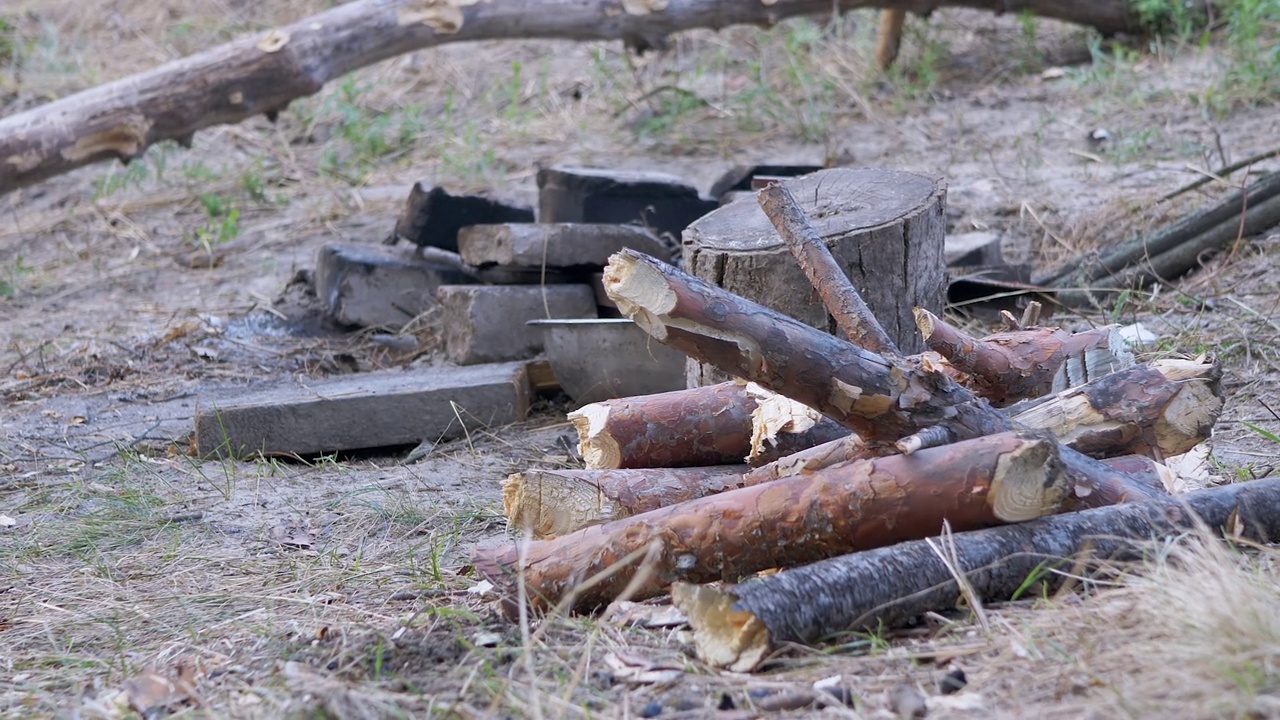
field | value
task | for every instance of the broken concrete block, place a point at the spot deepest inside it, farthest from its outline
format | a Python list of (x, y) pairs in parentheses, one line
[(369, 410), (486, 323), (556, 245), (432, 216), (376, 286), (741, 178), (972, 249), (659, 201)]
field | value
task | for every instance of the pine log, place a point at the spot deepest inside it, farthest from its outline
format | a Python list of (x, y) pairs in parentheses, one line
[(883, 229), (1011, 366), (263, 72), (1160, 409), (550, 503), (710, 425), (880, 398), (845, 304), (870, 503), (738, 626)]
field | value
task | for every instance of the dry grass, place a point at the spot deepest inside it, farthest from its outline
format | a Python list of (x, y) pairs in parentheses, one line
[(340, 587)]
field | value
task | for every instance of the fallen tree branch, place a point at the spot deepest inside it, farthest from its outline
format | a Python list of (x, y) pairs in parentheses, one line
[(1012, 366), (262, 73), (1171, 251), (737, 626), (709, 425), (977, 483), (838, 294)]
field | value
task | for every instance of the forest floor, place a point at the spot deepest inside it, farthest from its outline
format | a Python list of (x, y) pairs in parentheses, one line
[(340, 586)]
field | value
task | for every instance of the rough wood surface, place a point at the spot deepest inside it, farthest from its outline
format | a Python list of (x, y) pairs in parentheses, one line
[(877, 225), (556, 502), (1011, 366), (561, 245), (978, 483), (736, 627), (880, 398), (709, 425), (1160, 409), (369, 411)]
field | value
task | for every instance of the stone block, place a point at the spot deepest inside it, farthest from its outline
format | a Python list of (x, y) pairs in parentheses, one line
[(378, 286), (486, 323)]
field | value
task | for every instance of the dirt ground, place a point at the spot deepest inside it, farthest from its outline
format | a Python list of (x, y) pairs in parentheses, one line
[(340, 586)]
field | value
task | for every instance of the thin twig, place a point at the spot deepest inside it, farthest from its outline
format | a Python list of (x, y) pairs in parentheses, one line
[(1207, 177), (838, 294)]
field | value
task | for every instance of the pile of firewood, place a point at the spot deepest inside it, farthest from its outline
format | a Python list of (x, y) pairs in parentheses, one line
[(852, 446)]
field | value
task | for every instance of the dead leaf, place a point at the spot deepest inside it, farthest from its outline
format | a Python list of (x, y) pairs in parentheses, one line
[(7, 522), (151, 692), (627, 613)]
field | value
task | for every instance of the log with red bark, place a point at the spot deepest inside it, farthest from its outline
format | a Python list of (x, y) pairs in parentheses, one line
[(738, 626), (710, 425), (869, 503), (1011, 366), (261, 73)]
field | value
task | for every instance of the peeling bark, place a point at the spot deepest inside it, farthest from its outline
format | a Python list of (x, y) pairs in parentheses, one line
[(738, 626), (978, 483)]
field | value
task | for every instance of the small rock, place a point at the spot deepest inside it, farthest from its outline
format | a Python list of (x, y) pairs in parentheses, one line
[(653, 709), (907, 702), (952, 682)]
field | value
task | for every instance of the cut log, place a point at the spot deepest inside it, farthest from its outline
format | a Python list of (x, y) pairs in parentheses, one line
[(1160, 409), (881, 399), (263, 72), (738, 626), (885, 230), (432, 216), (978, 483), (559, 245), (1012, 366), (711, 425), (550, 503)]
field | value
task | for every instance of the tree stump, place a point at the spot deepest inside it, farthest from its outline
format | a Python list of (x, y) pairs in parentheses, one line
[(885, 228)]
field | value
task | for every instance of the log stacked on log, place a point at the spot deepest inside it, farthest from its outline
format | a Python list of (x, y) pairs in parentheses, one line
[(925, 449)]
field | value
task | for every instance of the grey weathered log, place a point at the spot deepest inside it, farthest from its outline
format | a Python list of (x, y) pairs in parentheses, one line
[(1174, 249), (262, 73), (738, 625), (884, 229)]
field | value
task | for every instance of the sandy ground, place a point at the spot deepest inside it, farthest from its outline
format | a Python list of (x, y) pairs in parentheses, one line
[(340, 586)]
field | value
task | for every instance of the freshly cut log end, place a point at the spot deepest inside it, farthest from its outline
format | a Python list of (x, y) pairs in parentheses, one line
[(550, 503), (640, 292), (1024, 486), (725, 637), (598, 448)]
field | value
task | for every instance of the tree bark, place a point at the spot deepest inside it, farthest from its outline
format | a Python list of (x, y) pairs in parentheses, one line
[(737, 626), (1012, 366), (1160, 409), (883, 230), (977, 483), (710, 425), (550, 503), (264, 72)]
